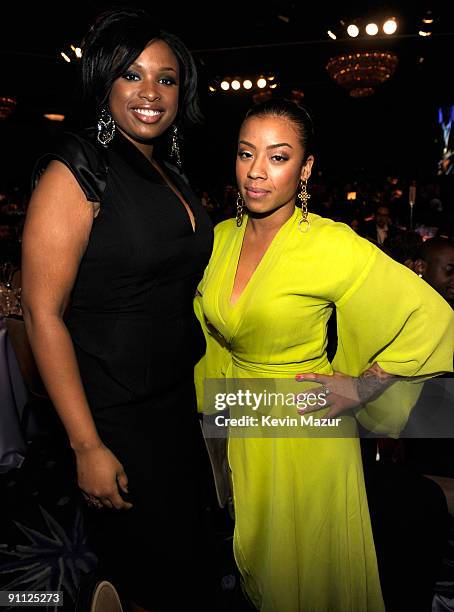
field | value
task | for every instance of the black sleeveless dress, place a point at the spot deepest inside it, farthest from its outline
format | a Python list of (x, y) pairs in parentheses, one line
[(137, 340)]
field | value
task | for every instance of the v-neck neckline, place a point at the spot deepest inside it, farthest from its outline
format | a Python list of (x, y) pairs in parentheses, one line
[(178, 193), (139, 160), (239, 246)]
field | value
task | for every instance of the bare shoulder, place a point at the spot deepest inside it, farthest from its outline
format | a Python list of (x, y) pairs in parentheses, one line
[(59, 213), (58, 195), (58, 183)]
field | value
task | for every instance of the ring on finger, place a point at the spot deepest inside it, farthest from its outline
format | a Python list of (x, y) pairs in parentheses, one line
[(94, 502), (326, 390)]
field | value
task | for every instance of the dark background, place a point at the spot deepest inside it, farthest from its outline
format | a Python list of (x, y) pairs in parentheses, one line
[(392, 132)]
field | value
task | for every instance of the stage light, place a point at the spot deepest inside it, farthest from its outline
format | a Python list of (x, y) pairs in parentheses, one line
[(332, 35), (372, 29), (211, 88), (390, 26), (353, 30), (273, 86), (261, 83), (225, 85), (236, 85), (247, 84), (65, 57), (423, 33)]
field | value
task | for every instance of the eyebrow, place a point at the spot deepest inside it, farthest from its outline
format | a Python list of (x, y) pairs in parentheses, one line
[(137, 65), (274, 146)]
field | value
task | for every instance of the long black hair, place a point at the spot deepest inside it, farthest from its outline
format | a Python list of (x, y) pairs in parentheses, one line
[(114, 41)]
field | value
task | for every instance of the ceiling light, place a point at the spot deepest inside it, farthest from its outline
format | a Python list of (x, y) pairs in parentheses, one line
[(362, 72), (236, 85), (390, 26), (247, 84), (332, 35), (225, 85), (261, 83), (372, 29), (353, 30)]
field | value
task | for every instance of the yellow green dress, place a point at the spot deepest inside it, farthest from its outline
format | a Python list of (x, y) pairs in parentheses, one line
[(303, 539)]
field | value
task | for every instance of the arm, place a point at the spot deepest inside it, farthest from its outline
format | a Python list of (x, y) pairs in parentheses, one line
[(56, 233), (394, 331), (341, 392), (372, 383)]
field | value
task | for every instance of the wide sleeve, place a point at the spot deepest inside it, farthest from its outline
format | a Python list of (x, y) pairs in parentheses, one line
[(85, 160), (392, 317)]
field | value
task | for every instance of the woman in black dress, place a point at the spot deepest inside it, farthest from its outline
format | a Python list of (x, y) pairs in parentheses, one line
[(114, 246)]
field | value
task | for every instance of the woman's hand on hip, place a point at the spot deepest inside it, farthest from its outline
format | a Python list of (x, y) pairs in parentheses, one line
[(100, 476), (340, 392)]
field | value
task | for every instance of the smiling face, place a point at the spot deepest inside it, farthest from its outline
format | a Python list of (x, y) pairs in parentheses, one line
[(144, 100), (270, 164)]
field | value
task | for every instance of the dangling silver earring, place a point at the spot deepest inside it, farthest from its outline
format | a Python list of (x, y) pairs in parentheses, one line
[(304, 223), (106, 127), (239, 210), (175, 150)]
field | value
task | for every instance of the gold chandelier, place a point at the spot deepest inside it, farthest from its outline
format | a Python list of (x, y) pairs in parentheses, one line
[(362, 72)]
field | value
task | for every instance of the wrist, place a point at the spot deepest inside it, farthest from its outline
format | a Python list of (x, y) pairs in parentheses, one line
[(82, 446), (371, 383)]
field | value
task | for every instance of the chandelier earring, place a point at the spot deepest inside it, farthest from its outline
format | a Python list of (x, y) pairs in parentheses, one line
[(106, 127), (303, 196), (175, 148), (239, 210)]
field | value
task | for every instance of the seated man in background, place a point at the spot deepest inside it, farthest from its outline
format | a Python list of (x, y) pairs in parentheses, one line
[(380, 228)]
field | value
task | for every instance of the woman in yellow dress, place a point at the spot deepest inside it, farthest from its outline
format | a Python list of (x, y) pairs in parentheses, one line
[(303, 539)]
